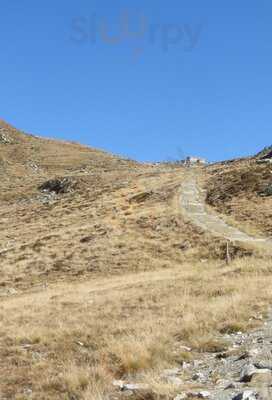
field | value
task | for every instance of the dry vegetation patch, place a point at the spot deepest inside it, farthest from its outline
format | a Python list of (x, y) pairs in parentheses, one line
[(76, 338), (238, 190)]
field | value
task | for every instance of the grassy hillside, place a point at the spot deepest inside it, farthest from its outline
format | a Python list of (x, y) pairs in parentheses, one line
[(116, 215), (240, 190), (105, 279), (29, 160)]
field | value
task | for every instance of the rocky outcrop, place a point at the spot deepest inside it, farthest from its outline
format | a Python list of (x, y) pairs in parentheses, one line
[(243, 372), (58, 186), (4, 137)]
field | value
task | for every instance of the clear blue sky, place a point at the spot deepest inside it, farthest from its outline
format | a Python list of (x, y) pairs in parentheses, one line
[(197, 79)]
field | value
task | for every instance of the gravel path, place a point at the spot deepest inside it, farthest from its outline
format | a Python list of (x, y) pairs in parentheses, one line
[(193, 205)]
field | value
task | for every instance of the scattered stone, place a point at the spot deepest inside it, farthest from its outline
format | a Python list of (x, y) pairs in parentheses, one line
[(4, 138), (33, 166), (246, 395), (47, 198), (243, 356), (185, 348), (249, 371), (141, 197), (58, 186), (80, 344), (182, 246), (28, 392), (221, 356), (26, 346), (248, 355), (118, 383), (87, 239), (12, 291), (199, 376), (199, 395), (264, 365), (135, 386), (185, 365), (203, 394), (129, 386), (230, 386), (182, 396)]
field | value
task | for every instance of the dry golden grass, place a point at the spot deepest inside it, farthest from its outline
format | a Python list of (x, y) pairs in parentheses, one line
[(98, 230), (233, 190), (72, 339), (109, 281)]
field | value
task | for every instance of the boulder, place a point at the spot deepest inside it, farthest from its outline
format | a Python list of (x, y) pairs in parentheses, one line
[(264, 365), (246, 395), (58, 186), (250, 373), (247, 372)]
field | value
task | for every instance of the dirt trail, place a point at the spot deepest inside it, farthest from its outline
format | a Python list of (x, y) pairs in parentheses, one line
[(193, 205)]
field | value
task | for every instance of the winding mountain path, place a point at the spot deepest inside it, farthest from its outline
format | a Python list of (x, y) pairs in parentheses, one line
[(193, 205)]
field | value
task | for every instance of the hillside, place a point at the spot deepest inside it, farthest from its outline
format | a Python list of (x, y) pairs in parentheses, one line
[(31, 160), (242, 190), (96, 225), (105, 277)]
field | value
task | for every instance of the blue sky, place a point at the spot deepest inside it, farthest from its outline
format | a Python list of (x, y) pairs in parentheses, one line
[(196, 79)]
